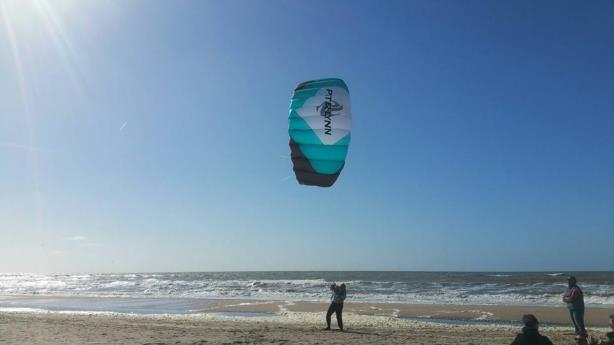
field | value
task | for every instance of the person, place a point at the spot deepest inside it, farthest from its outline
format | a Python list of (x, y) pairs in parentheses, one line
[(530, 333), (336, 305), (575, 303), (609, 336)]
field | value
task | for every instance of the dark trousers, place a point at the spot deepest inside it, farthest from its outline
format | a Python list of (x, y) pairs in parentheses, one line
[(336, 308), (577, 317)]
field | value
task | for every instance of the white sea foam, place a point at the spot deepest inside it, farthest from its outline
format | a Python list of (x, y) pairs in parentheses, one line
[(22, 310), (402, 287)]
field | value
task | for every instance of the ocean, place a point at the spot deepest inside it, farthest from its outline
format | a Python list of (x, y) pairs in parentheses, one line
[(488, 288)]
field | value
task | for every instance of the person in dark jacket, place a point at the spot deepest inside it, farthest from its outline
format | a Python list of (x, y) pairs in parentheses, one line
[(336, 305), (530, 333), (609, 336), (575, 303)]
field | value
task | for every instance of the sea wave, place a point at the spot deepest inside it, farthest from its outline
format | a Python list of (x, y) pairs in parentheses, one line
[(431, 288)]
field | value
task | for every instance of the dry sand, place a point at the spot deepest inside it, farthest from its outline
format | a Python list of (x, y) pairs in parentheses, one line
[(286, 327)]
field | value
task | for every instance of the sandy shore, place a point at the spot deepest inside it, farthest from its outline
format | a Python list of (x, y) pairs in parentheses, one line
[(597, 317), (283, 328), (502, 314)]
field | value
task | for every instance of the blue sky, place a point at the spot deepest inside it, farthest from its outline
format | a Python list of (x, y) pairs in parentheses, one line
[(152, 135)]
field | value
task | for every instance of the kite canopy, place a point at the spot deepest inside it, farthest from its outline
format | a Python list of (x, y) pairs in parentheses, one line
[(319, 126)]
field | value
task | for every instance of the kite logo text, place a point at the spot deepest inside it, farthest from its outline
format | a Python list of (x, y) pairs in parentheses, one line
[(326, 109)]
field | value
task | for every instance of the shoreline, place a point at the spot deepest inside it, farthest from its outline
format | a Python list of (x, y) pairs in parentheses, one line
[(594, 317), (470, 313), (288, 327)]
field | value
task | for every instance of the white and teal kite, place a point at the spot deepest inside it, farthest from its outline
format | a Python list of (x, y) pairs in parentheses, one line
[(319, 126)]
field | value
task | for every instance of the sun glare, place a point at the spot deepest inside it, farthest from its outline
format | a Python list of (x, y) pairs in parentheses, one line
[(28, 26)]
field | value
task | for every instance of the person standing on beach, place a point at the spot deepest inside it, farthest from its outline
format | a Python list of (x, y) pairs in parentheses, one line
[(530, 333), (336, 305), (575, 303)]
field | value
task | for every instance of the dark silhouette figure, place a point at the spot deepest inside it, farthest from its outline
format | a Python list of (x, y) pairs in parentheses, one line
[(530, 333), (336, 305)]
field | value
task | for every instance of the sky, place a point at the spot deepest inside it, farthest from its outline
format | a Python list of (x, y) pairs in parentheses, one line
[(140, 136)]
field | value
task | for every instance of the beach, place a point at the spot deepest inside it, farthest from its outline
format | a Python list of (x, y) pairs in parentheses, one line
[(443, 313), (289, 307), (274, 322)]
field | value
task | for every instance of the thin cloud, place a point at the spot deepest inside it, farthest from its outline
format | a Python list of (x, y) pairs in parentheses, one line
[(18, 146), (77, 238), (121, 129)]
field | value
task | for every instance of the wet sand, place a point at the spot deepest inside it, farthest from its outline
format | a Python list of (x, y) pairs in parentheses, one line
[(597, 317)]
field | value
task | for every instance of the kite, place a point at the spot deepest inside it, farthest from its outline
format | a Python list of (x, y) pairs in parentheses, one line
[(320, 124)]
